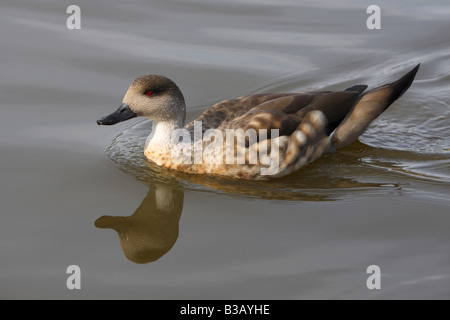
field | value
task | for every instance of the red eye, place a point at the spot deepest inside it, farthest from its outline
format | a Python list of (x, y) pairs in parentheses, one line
[(148, 93)]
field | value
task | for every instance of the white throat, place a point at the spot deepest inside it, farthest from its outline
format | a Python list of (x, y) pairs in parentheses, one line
[(161, 135)]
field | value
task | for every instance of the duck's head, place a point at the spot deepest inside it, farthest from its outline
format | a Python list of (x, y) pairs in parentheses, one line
[(155, 97)]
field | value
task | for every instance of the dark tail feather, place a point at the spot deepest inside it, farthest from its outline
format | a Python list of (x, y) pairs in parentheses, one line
[(401, 85), (369, 107)]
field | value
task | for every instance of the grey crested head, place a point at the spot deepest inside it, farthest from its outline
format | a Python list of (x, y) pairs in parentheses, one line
[(155, 97)]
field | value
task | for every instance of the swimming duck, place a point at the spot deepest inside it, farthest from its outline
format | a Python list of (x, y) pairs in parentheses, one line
[(272, 135)]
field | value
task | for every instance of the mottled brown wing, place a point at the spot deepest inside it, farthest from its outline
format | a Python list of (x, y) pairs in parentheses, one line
[(283, 111), (220, 114), (286, 113)]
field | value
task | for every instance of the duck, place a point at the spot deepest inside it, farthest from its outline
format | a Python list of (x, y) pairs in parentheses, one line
[(255, 137)]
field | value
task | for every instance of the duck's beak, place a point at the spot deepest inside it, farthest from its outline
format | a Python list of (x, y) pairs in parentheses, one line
[(123, 113)]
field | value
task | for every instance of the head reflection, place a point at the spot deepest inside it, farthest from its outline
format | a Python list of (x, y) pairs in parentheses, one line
[(152, 230)]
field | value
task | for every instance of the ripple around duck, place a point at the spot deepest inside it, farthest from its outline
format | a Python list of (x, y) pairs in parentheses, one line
[(417, 125), (405, 147), (357, 171)]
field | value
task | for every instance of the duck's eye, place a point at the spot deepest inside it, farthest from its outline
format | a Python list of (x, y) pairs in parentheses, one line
[(148, 93)]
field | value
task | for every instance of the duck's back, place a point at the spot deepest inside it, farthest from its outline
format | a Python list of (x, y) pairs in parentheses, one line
[(283, 111)]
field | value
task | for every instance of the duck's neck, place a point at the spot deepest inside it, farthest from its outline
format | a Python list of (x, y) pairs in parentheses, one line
[(161, 135)]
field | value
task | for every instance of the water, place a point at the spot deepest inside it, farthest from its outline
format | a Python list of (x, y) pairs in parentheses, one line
[(76, 193)]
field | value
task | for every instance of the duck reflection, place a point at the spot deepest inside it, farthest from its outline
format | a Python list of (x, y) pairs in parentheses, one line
[(152, 230)]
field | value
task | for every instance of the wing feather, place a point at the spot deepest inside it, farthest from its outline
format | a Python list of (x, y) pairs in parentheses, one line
[(283, 111)]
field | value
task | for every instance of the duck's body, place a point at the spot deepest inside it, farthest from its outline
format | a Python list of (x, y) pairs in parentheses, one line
[(307, 125)]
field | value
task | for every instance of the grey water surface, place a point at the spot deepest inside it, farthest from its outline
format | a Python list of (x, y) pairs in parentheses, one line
[(73, 193)]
